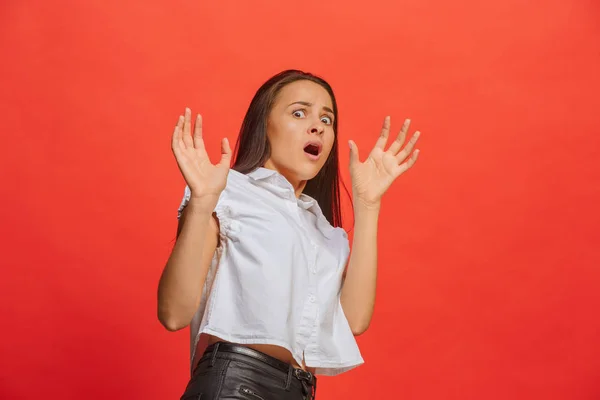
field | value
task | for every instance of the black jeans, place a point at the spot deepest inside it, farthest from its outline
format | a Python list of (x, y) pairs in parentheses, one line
[(230, 371)]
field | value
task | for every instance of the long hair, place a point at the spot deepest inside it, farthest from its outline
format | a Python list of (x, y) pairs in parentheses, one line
[(252, 148)]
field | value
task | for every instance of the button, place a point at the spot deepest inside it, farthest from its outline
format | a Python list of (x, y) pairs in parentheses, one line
[(311, 298), (314, 270)]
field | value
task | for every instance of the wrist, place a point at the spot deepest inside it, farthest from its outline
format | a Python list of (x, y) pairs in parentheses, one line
[(367, 205), (203, 204), (368, 211)]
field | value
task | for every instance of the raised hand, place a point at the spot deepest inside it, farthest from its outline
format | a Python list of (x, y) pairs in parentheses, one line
[(372, 178), (203, 178)]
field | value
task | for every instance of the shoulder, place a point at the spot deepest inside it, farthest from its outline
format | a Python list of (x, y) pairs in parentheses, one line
[(237, 187), (324, 226), (239, 193), (236, 180)]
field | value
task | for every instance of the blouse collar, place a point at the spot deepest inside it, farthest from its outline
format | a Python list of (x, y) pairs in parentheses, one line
[(279, 185)]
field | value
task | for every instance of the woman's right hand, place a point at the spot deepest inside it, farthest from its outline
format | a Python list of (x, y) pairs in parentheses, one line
[(205, 180)]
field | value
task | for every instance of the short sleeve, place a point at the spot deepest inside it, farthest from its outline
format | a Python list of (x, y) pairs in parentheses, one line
[(187, 193), (228, 217), (225, 211)]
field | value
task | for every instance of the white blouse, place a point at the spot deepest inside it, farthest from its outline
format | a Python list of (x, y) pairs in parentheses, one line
[(276, 275)]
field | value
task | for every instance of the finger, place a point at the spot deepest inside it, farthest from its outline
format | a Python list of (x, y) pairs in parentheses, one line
[(176, 143), (225, 153), (187, 137), (401, 156), (402, 168), (198, 142), (385, 133), (397, 144), (354, 156)]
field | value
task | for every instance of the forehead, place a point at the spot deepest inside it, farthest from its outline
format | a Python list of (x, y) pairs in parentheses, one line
[(304, 91)]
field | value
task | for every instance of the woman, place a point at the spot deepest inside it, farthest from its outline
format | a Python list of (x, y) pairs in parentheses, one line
[(258, 270)]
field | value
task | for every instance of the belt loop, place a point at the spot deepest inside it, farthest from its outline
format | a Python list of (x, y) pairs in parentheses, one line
[(288, 383), (214, 354)]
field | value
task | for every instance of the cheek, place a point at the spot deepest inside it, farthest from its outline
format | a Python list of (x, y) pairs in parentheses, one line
[(329, 143), (282, 131), (279, 141), (275, 135), (293, 130)]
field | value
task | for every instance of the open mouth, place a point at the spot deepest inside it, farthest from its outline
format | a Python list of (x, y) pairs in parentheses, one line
[(313, 149)]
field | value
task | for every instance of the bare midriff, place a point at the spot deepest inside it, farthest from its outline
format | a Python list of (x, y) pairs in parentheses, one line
[(274, 351)]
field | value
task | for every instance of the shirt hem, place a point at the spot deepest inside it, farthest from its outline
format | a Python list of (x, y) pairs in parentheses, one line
[(327, 368)]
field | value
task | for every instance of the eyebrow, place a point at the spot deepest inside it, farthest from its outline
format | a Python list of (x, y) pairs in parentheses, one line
[(307, 104)]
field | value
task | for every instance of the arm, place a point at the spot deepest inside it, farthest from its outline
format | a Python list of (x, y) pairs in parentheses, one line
[(182, 280), (370, 180), (358, 288)]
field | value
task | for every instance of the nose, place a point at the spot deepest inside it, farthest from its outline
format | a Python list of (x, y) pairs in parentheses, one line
[(317, 128)]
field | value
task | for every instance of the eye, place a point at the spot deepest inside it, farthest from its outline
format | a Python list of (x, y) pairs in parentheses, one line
[(326, 119), (299, 114)]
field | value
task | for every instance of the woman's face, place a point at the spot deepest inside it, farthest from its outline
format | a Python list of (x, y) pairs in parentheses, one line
[(300, 131)]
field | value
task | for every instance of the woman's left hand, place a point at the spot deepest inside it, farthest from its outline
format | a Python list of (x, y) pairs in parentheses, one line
[(372, 178)]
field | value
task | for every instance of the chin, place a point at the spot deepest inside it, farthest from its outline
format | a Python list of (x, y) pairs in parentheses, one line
[(309, 172), (298, 171)]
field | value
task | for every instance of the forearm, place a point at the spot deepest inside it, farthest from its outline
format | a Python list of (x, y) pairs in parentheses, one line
[(358, 289), (181, 282)]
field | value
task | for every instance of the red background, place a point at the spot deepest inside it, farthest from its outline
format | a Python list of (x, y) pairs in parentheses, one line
[(489, 281)]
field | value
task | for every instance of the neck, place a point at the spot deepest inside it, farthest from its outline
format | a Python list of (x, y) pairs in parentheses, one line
[(298, 189)]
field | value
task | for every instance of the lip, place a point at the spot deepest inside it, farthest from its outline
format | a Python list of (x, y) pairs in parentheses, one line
[(316, 143)]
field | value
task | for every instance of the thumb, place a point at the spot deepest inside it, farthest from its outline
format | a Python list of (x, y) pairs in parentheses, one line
[(225, 152), (353, 152)]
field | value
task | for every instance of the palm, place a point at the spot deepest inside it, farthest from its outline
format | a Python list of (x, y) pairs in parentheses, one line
[(372, 178), (200, 174)]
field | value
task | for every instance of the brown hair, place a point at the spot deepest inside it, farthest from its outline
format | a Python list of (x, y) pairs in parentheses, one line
[(252, 148)]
